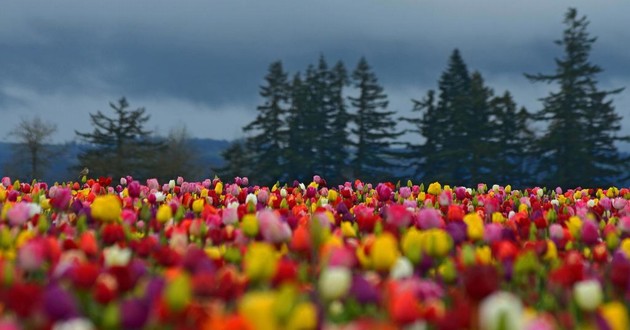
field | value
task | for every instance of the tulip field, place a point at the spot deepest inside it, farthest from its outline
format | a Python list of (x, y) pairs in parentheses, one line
[(130, 254)]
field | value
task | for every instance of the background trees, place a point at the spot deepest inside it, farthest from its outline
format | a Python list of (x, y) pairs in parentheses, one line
[(265, 146), (32, 148), (464, 133), (375, 129), (578, 146), (120, 145)]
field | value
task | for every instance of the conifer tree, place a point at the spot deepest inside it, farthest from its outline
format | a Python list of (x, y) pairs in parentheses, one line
[(375, 128), (512, 140), (578, 146), (337, 135), (478, 129), (444, 125), (120, 145), (266, 143), (299, 151), (236, 162)]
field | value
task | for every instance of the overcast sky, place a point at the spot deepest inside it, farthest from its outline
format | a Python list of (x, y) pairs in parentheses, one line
[(200, 63)]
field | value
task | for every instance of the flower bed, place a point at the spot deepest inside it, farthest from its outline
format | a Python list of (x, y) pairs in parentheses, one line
[(215, 255)]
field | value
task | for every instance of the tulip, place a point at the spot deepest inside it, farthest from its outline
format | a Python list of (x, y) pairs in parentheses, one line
[(334, 282), (260, 262), (401, 269), (501, 310), (384, 252), (106, 208), (588, 294)]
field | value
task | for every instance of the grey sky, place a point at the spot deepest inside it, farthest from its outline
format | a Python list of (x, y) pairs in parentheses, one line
[(199, 63)]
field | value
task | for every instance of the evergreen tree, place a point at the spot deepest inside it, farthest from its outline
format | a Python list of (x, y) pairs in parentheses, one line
[(299, 151), (265, 146), (512, 142), (236, 162), (578, 146), (478, 129), (457, 128), (375, 128), (417, 155), (454, 103), (336, 136), (120, 145), (444, 125)]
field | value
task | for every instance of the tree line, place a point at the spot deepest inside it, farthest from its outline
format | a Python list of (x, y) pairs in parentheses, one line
[(336, 123), (464, 133)]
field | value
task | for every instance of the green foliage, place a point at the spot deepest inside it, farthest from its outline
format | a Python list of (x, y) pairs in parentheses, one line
[(578, 146), (120, 145), (375, 129)]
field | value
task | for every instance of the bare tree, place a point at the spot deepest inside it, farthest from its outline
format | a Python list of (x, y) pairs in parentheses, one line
[(180, 157), (32, 137)]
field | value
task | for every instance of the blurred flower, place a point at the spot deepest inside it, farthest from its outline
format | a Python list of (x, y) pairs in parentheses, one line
[(260, 262), (475, 228), (304, 317), (588, 294), (402, 269), (616, 315), (435, 188), (334, 282), (430, 218), (257, 308), (177, 295), (398, 215), (116, 256), (74, 324), (106, 208), (384, 252), (501, 310), (18, 214)]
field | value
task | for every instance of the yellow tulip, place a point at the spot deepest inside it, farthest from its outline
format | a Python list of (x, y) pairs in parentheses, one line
[(106, 208)]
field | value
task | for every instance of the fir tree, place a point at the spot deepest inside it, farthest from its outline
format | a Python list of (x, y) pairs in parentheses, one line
[(265, 145), (478, 129), (512, 142), (446, 151), (298, 151), (337, 135), (120, 145), (578, 146), (237, 163), (375, 128)]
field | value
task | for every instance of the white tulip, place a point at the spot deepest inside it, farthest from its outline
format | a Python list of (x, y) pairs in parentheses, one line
[(334, 282), (588, 294), (501, 310)]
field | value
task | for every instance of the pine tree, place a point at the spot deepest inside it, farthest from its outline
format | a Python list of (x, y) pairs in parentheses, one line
[(445, 126), (299, 151), (578, 146), (337, 135), (512, 142), (457, 128), (417, 154), (375, 128), (478, 129), (120, 145), (265, 146), (236, 162)]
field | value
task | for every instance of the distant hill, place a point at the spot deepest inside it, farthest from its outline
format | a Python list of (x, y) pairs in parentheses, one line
[(209, 152)]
